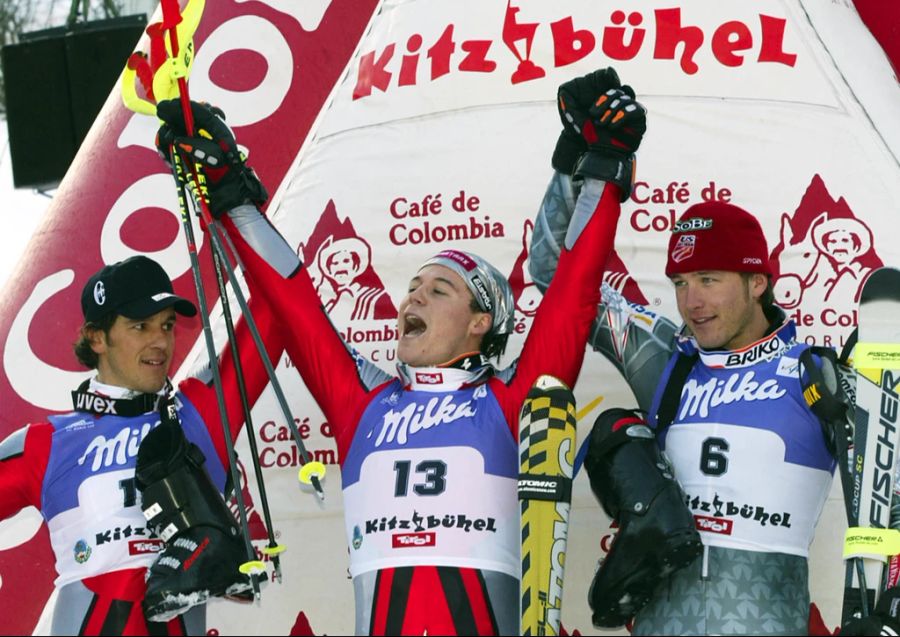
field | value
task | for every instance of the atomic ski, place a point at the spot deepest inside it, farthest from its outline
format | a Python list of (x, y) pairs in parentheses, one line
[(546, 456)]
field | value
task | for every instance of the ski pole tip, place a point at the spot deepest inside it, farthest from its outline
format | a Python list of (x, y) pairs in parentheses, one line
[(318, 487)]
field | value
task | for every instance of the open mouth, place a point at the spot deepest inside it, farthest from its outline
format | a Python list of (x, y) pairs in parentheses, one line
[(413, 325)]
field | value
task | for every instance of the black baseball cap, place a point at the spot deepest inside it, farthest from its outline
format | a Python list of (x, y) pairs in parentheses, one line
[(136, 288)]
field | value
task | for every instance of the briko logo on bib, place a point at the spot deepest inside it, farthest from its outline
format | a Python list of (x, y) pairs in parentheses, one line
[(763, 350)]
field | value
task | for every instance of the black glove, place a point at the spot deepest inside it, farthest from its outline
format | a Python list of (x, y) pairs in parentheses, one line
[(872, 625), (614, 131), (617, 122), (574, 100), (885, 620), (212, 149)]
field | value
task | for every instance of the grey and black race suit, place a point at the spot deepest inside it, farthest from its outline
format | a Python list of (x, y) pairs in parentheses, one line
[(748, 452)]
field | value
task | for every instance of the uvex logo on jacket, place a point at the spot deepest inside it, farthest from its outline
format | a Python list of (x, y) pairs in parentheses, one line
[(95, 404)]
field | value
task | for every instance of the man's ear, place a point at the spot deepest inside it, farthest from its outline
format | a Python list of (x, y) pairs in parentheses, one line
[(482, 323), (758, 284), (96, 337)]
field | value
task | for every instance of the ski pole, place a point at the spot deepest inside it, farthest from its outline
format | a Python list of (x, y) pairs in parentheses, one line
[(824, 397), (252, 566), (179, 69), (273, 549), (848, 478), (160, 84), (311, 471)]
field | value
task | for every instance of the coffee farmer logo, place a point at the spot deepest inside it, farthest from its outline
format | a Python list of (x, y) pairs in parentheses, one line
[(824, 253)]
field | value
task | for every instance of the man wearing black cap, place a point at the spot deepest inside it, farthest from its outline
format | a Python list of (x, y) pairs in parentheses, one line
[(725, 399), (133, 449), (127, 336)]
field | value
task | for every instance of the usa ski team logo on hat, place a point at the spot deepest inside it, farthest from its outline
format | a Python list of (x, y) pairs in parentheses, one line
[(684, 247)]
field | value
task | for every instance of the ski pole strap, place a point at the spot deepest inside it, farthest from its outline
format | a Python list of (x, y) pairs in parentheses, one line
[(849, 346), (823, 395), (872, 543), (671, 397)]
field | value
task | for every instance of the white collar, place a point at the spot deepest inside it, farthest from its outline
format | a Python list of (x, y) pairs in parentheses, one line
[(114, 391)]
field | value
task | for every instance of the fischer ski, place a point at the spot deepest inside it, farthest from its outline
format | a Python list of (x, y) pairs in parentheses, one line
[(546, 456), (876, 360)]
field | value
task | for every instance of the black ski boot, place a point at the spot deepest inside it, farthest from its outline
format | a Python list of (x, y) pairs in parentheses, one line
[(634, 483), (204, 547)]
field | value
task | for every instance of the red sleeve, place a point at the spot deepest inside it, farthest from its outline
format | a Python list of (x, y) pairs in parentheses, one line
[(558, 336), (203, 395), (326, 366), (22, 474)]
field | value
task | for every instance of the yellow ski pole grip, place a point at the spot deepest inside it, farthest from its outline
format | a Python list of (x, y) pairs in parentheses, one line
[(130, 97)]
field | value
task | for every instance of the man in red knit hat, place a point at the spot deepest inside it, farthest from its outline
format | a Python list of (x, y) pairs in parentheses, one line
[(719, 263), (742, 449)]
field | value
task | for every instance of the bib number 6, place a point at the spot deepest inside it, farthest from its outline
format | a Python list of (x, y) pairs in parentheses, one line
[(713, 461)]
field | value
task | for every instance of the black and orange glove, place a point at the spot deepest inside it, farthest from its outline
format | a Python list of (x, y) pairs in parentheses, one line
[(574, 100), (213, 150), (614, 131)]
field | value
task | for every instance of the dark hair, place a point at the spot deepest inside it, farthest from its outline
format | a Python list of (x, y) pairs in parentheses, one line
[(82, 347), (767, 299), (492, 344)]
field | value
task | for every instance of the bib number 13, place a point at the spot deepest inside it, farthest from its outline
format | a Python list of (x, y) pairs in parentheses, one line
[(430, 478)]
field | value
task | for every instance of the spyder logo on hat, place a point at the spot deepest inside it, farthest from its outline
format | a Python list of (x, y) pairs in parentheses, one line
[(684, 247)]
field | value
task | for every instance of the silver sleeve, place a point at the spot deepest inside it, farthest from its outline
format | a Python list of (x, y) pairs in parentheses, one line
[(262, 236), (635, 340)]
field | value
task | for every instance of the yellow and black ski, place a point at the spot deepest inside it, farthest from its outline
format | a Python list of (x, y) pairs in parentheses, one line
[(546, 457)]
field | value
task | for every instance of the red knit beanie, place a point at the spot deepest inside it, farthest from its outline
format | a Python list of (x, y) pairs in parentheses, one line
[(717, 236)]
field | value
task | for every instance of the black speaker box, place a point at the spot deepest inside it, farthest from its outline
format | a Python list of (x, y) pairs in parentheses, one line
[(56, 82)]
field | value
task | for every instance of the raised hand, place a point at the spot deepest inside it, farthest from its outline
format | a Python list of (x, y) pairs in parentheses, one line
[(213, 150)]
